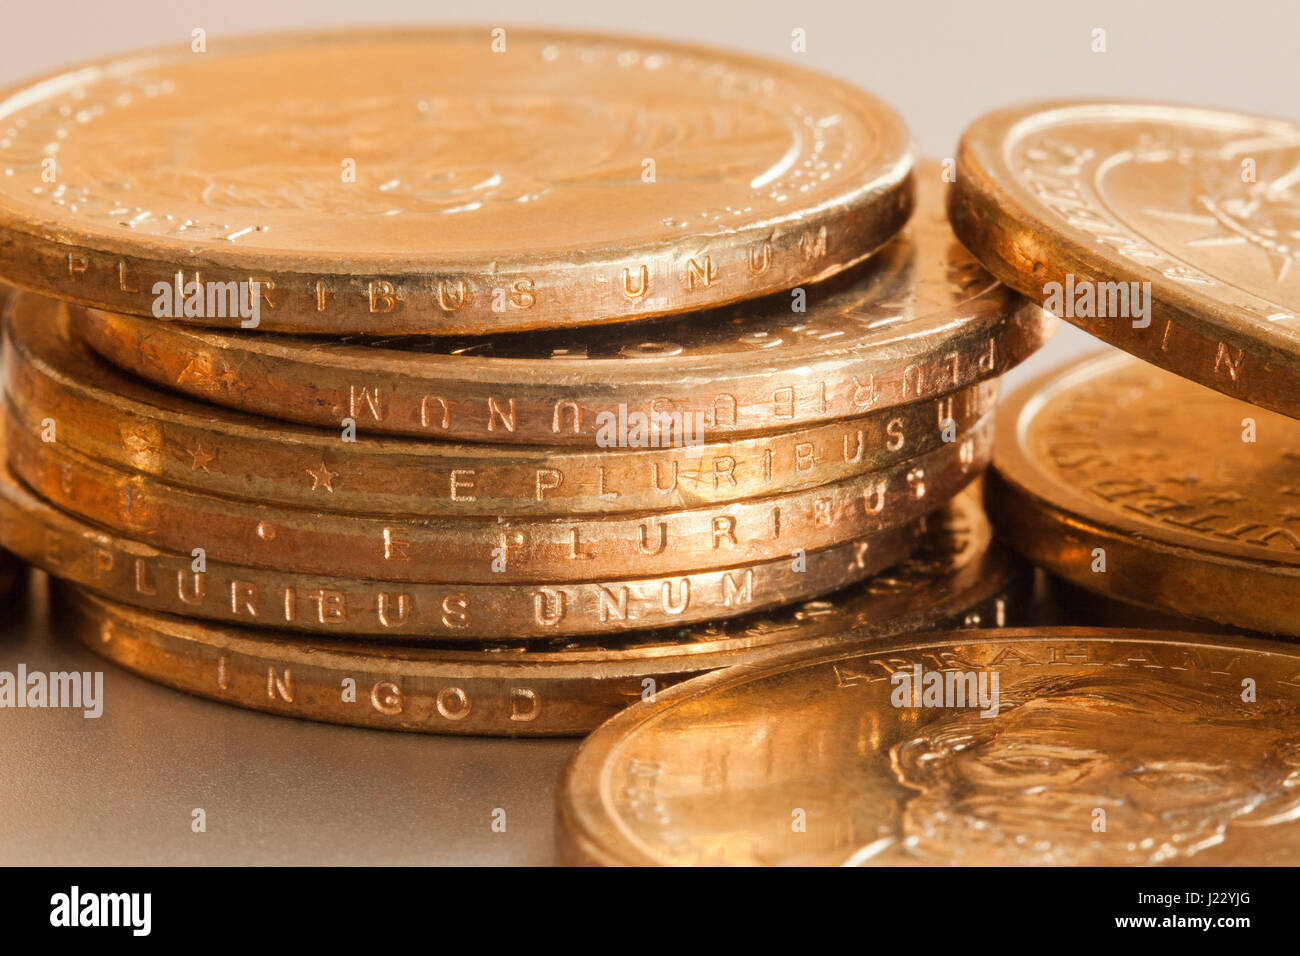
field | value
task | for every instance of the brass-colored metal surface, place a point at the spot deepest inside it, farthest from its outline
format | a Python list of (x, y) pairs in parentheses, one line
[(825, 758), (482, 550), (135, 573), (1079, 606), (956, 578), (417, 180), (51, 377), (1200, 204), (919, 321), (1118, 462)]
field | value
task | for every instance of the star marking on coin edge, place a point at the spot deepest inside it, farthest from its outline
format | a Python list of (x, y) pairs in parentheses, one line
[(209, 373), (200, 457), (322, 476)]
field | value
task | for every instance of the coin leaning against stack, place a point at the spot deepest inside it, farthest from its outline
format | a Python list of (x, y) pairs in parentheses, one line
[(1168, 232), (540, 400)]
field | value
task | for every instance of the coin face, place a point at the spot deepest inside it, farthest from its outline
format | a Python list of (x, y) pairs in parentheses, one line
[(1194, 215), (469, 180), (1150, 488), (1077, 746), (535, 688), (917, 321)]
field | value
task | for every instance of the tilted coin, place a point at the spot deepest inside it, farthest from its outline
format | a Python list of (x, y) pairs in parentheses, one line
[(919, 321), (54, 381), (1026, 747), (1166, 230), (440, 180), (1147, 487), (477, 549), (567, 687), (1077, 606), (196, 585)]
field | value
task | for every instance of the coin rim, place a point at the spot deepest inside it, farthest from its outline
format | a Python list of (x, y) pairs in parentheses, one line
[(992, 213), (442, 536), (1013, 463), (92, 391), (1242, 596), (22, 508), (1003, 577)]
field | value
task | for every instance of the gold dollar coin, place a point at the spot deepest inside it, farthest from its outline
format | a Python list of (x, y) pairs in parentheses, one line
[(1166, 230), (52, 380), (919, 321), (440, 180), (1021, 747), (482, 549), (956, 578), (1146, 487), (194, 584)]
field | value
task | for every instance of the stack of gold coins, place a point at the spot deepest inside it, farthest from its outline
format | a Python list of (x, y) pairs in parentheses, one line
[(1169, 232), (460, 381)]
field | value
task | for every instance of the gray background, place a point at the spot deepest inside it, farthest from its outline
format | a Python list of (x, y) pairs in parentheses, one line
[(121, 789)]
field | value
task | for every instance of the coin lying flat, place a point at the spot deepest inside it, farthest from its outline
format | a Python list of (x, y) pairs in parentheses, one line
[(1165, 230), (450, 180), (956, 578), (1093, 747), (129, 571), (480, 549), (920, 320), (52, 378), (1152, 489)]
